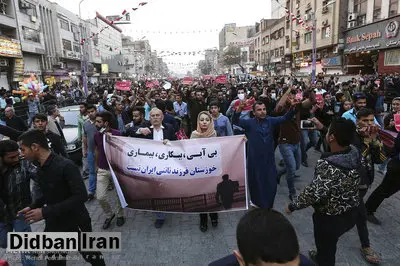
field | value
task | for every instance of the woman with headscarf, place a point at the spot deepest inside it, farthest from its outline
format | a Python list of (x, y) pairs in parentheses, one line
[(205, 129)]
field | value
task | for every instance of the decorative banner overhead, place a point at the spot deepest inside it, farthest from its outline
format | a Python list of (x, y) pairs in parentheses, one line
[(184, 176)]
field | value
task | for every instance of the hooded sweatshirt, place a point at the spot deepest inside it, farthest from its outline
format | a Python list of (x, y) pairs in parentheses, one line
[(335, 187)]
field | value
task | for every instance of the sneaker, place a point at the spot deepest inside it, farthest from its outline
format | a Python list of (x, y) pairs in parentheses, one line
[(120, 221), (159, 223), (372, 219), (90, 197), (108, 221), (305, 164)]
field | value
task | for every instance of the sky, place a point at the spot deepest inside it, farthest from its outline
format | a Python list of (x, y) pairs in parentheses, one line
[(208, 16)]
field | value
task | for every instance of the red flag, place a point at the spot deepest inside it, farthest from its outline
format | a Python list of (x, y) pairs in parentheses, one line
[(142, 3), (123, 13)]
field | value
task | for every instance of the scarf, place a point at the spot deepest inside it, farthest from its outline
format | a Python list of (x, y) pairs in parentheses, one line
[(210, 132)]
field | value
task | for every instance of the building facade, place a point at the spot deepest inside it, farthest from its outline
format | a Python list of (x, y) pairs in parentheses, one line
[(372, 39)]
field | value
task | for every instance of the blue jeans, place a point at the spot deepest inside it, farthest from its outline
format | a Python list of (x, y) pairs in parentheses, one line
[(291, 154), (92, 172), (308, 139), (17, 225)]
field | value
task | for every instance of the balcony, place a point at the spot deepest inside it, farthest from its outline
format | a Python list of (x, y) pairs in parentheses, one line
[(7, 15)]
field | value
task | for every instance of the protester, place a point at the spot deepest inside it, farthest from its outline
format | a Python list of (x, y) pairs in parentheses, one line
[(15, 194), (261, 169), (205, 129), (222, 124), (61, 204), (103, 125), (89, 148), (333, 192), (14, 121), (265, 237), (158, 131)]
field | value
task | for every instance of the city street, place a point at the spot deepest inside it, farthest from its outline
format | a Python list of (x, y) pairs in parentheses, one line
[(180, 241)]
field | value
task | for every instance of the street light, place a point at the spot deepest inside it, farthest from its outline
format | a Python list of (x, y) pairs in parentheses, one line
[(84, 59), (314, 44)]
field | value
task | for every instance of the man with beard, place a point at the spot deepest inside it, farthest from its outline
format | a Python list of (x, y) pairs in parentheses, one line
[(62, 203), (359, 102), (40, 122), (89, 130), (15, 177)]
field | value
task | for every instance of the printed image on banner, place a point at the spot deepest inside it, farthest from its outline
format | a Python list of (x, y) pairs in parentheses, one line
[(198, 175)]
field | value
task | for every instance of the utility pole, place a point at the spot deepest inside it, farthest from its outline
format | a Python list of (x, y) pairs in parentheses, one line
[(314, 48), (83, 53)]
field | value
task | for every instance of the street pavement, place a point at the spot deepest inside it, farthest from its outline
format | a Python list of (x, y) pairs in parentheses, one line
[(180, 241)]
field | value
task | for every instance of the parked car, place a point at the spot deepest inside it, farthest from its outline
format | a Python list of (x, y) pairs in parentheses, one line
[(70, 130)]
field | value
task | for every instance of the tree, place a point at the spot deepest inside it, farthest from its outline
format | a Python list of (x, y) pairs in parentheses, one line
[(233, 57)]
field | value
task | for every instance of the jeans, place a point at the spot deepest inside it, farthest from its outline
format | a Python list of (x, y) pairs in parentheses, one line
[(17, 225), (361, 221), (308, 140), (103, 181), (389, 186), (291, 155), (92, 173), (85, 166), (327, 231)]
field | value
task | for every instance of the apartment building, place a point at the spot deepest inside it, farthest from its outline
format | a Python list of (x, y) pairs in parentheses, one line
[(372, 39)]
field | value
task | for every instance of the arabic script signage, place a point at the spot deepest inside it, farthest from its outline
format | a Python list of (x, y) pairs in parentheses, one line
[(10, 47), (381, 35), (152, 176)]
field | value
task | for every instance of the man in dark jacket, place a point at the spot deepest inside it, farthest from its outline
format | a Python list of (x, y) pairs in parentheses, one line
[(225, 191), (15, 194), (265, 237), (14, 121), (39, 122), (62, 204), (333, 192)]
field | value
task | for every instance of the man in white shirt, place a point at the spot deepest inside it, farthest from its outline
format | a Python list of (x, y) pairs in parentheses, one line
[(158, 132)]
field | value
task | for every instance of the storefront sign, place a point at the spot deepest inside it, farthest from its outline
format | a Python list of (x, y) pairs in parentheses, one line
[(104, 68), (380, 35), (10, 47), (333, 61)]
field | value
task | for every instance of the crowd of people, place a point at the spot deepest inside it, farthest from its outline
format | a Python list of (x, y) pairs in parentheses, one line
[(281, 115)]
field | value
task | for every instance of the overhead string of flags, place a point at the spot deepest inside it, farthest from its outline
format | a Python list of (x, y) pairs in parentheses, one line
[(123, 14)]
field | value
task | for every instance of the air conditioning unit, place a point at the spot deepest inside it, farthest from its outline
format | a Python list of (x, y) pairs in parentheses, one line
[(33, 19), (351, 24), (3, 62), (352, 16), (25, 5), (325, 22), (325, 10)]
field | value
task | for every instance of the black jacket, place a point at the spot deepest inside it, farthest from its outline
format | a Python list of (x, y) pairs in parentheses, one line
[(54, 140), (63, 194), (168, 133), (16, 123), (131, 132)]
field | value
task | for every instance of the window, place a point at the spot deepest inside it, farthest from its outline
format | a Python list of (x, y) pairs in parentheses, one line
[(27, 8), (3, 7), (263, 41), (64, 24), (326, 32), (393, 7), (67, 45), (377, 9), (361, 20), (267, 39), (276, 52), (360, 6), (266, 55), (77, 47), (31, 34), (74, 28), (282, 51), (307, 37), (392, 58), (287, 43)]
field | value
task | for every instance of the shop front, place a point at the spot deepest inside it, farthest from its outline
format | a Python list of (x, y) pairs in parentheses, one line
[(332, 65), (10, 72), (373, 48)]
